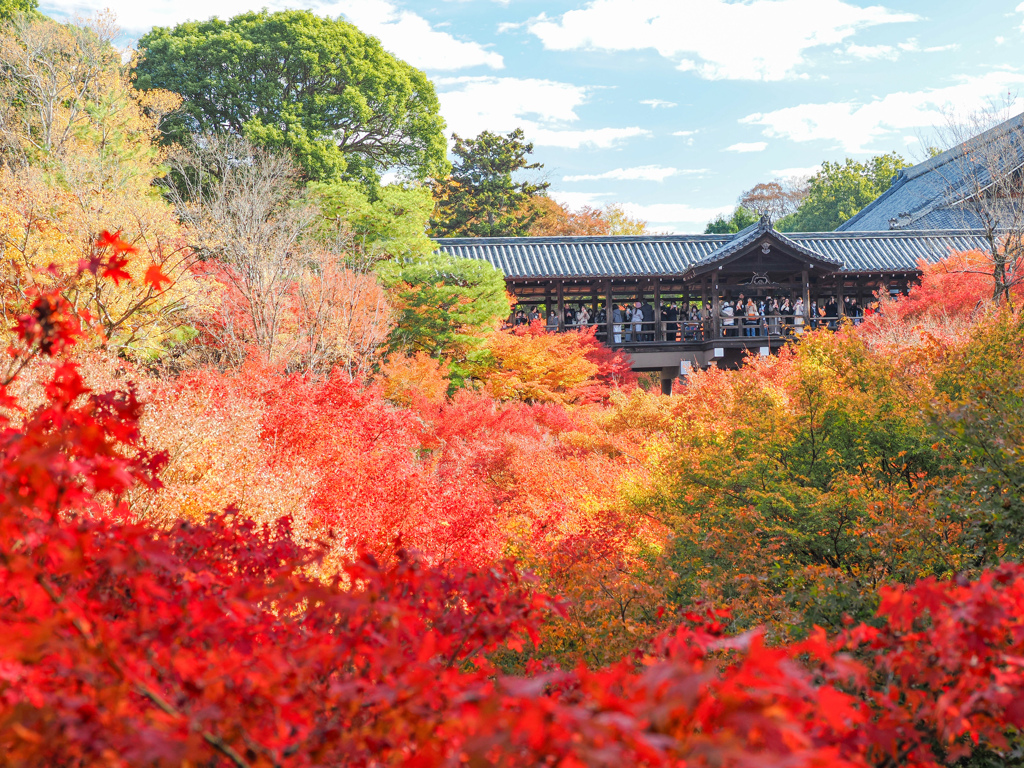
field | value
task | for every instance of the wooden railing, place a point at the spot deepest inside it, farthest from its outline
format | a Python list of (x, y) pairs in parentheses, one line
[(709, 329)]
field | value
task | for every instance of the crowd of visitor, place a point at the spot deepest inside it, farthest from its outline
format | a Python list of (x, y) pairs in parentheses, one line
[(749, 316)]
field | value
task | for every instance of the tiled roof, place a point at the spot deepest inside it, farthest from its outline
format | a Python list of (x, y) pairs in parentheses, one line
[(926, 195), (650, 255), (747, 237), (632, 256)]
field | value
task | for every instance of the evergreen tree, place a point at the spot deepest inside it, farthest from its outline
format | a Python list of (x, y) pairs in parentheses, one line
[(481, 198)]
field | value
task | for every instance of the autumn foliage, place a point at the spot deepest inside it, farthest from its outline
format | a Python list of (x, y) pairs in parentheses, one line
[(224, 640), (277, 490)]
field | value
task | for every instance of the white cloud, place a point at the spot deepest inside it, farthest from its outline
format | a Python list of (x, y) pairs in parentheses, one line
[(1020, 9), (677, 217), (404, 33), (869, 52), (576, 200), (796, 173), (599, 138), (411, 37), (688, 135), (680, 217), (655, 103), (718, 39), (544, 109), (640, 173), (1000, 39), (858, 127), (749, 146)]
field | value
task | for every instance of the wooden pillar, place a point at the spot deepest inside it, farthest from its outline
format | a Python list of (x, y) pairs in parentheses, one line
[(684, 311), (561, 305), (659, 334), (716, 308), (609, 311), (703, 303), (839, 295)]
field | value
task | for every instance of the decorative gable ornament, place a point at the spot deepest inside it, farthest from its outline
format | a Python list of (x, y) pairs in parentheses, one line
[(766, 247)]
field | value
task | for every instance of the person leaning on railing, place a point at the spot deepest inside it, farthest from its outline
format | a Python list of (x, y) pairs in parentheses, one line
[(799, 316), (728, 318)]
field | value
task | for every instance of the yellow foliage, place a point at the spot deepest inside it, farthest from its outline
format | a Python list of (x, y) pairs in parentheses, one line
[(83, 163), (537, 368), (406, 376)]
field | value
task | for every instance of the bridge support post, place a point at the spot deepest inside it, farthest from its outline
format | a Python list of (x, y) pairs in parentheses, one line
[(716, 311), (668, 375)]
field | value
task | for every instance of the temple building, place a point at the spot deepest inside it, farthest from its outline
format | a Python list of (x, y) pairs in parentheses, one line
[(925, 216)]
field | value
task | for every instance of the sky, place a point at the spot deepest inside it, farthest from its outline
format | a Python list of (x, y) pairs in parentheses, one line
[(673, 108)]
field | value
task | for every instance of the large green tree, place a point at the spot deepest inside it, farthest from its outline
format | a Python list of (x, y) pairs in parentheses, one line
[(293, 80), (482, 198), (840, 190)]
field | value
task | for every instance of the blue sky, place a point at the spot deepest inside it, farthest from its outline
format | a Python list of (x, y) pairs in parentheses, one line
[(674, 107)]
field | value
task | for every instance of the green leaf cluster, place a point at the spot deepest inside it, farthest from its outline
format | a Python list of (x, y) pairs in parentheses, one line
[(821, 478), (390, 226), (292, 80), (741, 219), (11, 8)]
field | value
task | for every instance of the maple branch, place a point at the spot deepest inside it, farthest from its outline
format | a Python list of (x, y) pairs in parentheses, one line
[(141, 688)]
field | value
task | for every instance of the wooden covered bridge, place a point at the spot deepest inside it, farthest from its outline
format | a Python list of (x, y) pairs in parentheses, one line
[(832, 269)]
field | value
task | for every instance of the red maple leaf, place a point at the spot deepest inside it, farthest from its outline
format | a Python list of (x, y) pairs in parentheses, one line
[(115, 269), (156, 278), (114, 242)]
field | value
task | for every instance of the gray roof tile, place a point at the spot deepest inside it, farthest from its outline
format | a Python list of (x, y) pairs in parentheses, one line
[(667, 255), (925, 196)]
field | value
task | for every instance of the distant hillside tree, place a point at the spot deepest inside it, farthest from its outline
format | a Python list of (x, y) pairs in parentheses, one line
[(729, 225), (839, 191), (554, 219), (777, 198), (317, 87), (481, 197), (558, 220), (621, 223)]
